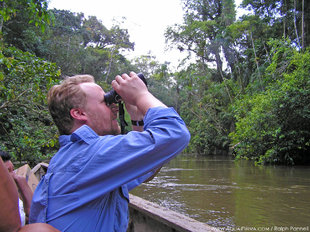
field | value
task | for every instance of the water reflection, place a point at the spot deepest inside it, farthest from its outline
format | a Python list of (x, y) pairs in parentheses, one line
[(223, 193)]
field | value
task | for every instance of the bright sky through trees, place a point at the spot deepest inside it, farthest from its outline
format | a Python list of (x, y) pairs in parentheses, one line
[(146, 21)]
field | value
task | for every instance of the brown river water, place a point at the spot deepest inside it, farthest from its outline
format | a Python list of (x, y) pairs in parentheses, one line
[(233, 196)]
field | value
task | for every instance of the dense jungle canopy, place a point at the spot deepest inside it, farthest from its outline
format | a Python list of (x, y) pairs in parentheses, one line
[(244, 87)]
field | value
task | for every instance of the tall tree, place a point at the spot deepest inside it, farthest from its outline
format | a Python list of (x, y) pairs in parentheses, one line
[(289, 18), (84, 45), (203, 32)]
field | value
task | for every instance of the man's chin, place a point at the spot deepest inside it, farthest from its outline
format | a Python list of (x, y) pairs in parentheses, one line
[(116, 130)]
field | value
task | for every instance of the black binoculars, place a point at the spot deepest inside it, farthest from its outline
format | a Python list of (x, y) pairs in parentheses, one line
[(113, 97)]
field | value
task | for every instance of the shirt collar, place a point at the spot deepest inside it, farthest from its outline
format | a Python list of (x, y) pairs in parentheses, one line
[(84, 133)]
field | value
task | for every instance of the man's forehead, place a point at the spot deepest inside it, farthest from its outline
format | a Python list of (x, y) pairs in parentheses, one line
[(90, 86), (92, 89)]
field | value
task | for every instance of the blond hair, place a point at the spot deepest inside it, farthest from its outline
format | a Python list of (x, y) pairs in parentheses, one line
[(64, 97)]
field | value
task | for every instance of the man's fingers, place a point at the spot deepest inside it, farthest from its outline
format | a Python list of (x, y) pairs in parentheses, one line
[(125, 76), (119, 78), (132, 74)]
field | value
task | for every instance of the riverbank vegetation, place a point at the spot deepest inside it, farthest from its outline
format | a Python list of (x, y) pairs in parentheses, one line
[(244, 87)]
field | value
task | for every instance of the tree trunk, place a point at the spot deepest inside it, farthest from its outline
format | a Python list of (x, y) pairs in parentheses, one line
[(257, 64), (295, 25), (110, 65), (303, 25)]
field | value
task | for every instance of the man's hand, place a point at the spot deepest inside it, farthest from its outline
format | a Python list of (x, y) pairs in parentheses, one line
[(130, 88), (133, 91)]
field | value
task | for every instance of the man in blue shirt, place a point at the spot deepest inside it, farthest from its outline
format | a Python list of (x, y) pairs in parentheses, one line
[(87, 182)]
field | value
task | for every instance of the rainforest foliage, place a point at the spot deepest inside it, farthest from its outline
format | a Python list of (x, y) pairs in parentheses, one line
[(244, 86)]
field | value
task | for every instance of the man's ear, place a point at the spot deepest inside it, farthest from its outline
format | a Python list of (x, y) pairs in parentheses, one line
[(78, 114)]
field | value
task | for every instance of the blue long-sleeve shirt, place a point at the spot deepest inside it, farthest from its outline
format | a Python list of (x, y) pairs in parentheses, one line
[(87, 182)]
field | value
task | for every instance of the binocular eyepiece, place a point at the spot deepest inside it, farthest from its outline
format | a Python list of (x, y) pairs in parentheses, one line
[(113, 97)]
